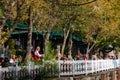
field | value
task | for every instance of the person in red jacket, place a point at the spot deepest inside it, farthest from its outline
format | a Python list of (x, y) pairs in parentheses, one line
[(37, 54)]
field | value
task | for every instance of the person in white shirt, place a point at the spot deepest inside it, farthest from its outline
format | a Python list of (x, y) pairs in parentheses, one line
[(37, 54)]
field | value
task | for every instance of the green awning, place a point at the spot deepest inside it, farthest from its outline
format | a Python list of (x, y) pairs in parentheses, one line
[(20, 26), (76, 38), (16, 33), (53, 34), (23, 32), (24, 27)]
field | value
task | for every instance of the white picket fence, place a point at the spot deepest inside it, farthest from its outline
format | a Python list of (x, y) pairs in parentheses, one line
[(71, 68), (85, 67)]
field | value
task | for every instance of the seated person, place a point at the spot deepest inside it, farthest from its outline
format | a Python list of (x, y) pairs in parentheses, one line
[(37, 54), (13, 59)]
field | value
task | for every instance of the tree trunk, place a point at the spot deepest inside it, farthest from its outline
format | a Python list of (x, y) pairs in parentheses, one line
[(66, 34), (46, 39), (89, 48), (1, 26), (29, 45), (70, 44), (52, 22)]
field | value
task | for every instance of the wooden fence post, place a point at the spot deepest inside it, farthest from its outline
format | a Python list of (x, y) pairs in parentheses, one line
[(103, 76), (112, 74), (118, 74)]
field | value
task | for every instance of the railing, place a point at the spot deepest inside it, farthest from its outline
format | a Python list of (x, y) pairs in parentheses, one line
[(86, 66), (30, 72), (59, 68)]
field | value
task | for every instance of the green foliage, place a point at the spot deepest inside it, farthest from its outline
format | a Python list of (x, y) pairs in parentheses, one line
[(3, 35), (50, 52), (1, 13), (1, 9), (21, 52), (50, 66), (12, 46), (36, 62)]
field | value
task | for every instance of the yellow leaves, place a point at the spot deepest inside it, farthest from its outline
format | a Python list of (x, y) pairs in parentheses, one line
[(104, 6), (3, 40), (110, 14), (4, 37)]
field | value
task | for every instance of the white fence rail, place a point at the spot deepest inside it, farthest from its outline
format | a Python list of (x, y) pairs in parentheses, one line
[(86, 67), (78, 67)]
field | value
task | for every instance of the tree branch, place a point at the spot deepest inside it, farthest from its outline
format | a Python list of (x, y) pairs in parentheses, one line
[(73, 4)]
